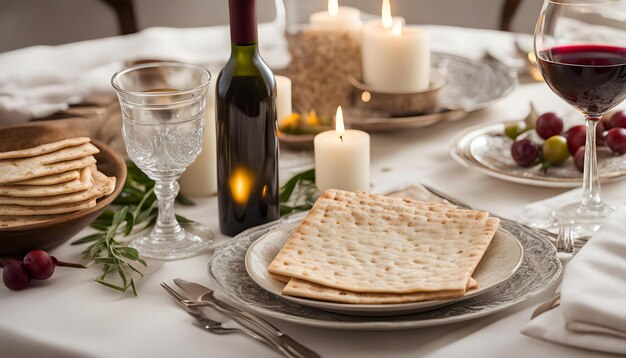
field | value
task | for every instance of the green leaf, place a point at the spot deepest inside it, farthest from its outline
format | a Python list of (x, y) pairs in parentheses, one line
[(130, 222), (105, 260), (143, 215), (142, 261), (183, 200), (132, 285), (287, 189), (183, 220), (110, 285), (130, 252), (122, 274), (285, 209), (88, 238)]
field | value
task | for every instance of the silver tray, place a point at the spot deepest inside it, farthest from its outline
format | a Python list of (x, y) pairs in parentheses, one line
[(227, 271), (471, 85)]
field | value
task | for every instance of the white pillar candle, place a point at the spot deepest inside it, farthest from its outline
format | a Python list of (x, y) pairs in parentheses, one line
[(342, 158), (283, 98), (200, 178), (396, 58), (336, 17)]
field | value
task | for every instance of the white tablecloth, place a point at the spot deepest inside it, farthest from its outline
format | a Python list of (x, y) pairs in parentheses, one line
[(69, 315)]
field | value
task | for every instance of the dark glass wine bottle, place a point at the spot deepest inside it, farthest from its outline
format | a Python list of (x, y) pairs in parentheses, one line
[(247, 146)]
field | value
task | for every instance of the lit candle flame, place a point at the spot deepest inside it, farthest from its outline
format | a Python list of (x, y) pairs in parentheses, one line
[(240, 183), (339, 127), (333, 7), (386, 15), (396, 30)]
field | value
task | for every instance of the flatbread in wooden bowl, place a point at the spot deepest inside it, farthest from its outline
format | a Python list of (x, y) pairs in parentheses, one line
[(52, 185)]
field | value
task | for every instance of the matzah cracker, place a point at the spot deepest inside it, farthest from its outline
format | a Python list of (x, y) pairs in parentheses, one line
[(102, 185), (23, 169), (44, 148), (306, 289), (20, 210), (50, 179), (369, 243), (9, 221), (83, 183)]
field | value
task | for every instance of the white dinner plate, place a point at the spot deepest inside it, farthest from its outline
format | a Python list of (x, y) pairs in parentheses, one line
[(502, 258)]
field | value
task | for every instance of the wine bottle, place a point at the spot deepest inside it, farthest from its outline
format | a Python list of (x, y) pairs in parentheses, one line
[(247, 145)]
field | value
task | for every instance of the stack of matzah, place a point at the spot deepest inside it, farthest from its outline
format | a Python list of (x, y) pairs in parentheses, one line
[(50, 180), (369, 249)]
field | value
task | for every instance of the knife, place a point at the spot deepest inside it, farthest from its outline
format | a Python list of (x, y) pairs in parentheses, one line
[(224, 327), (204, 296)]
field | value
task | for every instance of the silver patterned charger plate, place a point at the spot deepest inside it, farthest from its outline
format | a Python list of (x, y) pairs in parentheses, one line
[(501, 260), (485, 148), (539, 268), (471, 85)]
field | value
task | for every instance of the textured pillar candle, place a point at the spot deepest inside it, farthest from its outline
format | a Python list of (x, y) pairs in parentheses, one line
[(336, 17), (342, 158), (396, 58)]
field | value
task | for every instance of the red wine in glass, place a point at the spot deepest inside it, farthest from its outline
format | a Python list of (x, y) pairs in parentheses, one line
[(591, 78)]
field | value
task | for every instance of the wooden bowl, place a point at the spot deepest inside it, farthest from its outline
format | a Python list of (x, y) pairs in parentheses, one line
[(18, 240)]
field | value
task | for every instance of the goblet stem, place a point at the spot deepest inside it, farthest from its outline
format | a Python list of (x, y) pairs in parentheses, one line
[(592, 200), (167, 227)]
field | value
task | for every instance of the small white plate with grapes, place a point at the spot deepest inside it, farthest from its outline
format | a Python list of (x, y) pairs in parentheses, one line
[(544, 149)]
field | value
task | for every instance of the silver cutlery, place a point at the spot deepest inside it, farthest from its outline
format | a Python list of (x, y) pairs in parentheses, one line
[(216, 327), (203, 296)]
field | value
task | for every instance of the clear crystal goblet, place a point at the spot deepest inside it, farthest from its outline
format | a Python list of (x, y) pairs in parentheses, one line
[(163, 109)]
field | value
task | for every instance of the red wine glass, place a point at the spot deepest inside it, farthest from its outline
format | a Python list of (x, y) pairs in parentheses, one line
[(580, 47)]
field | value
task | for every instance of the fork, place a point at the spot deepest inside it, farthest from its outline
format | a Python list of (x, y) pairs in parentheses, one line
[(203, 321), (214, 326)]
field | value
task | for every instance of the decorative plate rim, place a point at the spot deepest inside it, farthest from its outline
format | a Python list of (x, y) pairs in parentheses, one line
[(536, 246)]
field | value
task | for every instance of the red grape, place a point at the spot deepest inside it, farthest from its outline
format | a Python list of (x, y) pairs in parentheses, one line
[(616, 139), (618, 120), (548, 125), (576, 138), (39, 265), (14, 275), (524, 152), (601, 132), (579, 159)]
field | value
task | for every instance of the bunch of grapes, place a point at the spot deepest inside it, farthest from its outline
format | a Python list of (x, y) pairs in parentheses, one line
[(36, 265), (558, 146)]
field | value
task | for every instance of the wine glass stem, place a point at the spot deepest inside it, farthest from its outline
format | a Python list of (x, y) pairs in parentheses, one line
[(167, 227), (591, 187)]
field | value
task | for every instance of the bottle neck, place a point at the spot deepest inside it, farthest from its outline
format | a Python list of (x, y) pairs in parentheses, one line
[(244, 52), (244, 59), (243, 25)]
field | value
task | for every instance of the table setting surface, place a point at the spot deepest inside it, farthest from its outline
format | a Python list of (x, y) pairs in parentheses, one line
[(71, 316)]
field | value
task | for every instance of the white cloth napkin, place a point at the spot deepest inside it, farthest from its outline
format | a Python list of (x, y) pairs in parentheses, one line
[(592, 312), (41, 80)]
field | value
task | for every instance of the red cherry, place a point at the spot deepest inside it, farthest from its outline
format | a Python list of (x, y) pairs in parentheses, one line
[(579, 159), (548, 125), (618, 120), (616, 139), (601, 132), (576, 138), (524, 152), (14, 275), (39, 265)]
